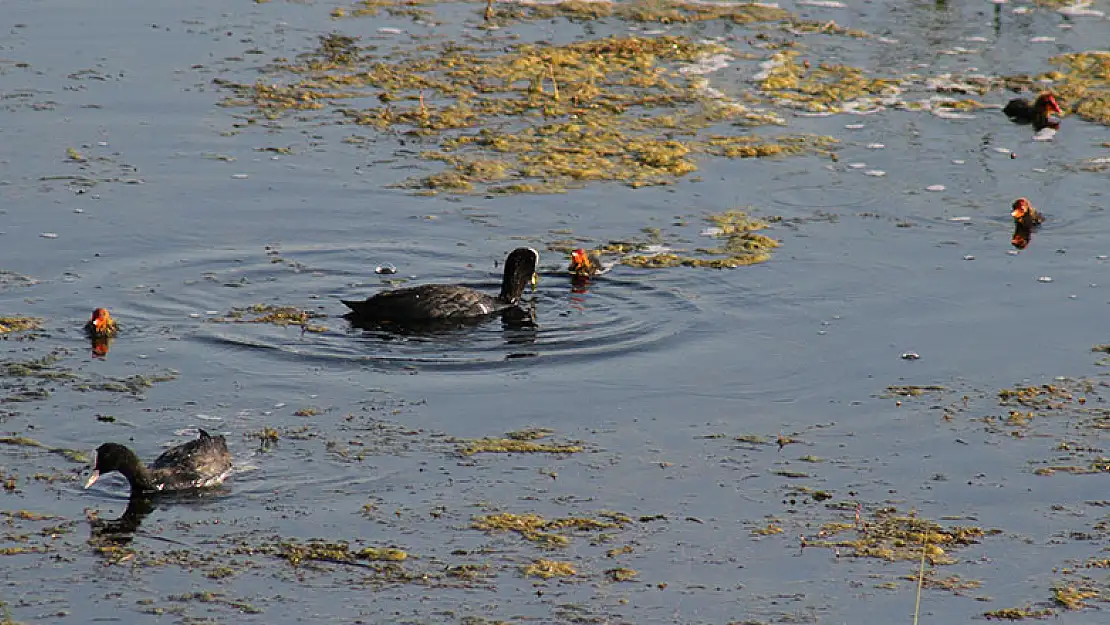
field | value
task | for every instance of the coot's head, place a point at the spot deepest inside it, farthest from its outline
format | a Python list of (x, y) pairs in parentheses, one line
[(1047, 102), (1021, 208), (520, 270), (113, 457)]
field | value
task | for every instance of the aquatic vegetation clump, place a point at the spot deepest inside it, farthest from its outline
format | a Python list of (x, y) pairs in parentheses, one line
[(297, 553), (740, 245), (19, 324), (824, 87), (275, 315), (549, 568), (538, 529), (1018, 614), (622, 574), (72, 455), (1083, 85), (1047, 396), (528, 117), (514, 446), (893, 537)]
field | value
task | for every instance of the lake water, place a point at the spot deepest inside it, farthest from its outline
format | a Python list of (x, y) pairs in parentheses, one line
[(726, 417)]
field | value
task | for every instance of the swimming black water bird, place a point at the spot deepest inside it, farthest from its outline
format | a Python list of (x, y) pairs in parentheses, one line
[(448, 302), (198, 463), (1025, 112)]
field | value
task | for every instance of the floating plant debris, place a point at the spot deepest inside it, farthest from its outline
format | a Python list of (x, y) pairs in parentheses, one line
[(740, 244), (894, 537), (514, 446), (824, 87), (296, 552), (536, 528), (527, 117), (19, 324), (549, 568), (275, 315), (69, 454)]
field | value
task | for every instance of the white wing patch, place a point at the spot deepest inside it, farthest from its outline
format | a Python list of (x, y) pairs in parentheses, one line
[(485, 309)]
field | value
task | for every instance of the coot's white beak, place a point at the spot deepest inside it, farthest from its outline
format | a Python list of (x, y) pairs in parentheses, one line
[(535, 281), (92, 478)]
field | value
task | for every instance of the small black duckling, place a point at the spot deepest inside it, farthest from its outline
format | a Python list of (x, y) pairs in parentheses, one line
[(101, 325), (196, 464), (443, 302), (1025, 216), (1023, 112)]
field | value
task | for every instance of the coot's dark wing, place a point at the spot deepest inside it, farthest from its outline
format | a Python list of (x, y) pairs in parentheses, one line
[(429, 302), (1019, 110), (203, 462)]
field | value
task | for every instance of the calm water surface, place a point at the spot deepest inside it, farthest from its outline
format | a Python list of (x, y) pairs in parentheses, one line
[(656, 373)]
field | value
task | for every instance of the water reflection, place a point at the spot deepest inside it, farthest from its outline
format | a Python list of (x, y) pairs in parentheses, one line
[(100, 346), (137, 510)]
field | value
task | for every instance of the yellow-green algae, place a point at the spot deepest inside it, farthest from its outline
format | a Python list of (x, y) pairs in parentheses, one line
[(1018, 614), (529, 117), (275, 315), (1081, 85), (1072, 597), (297, 553), (622, 574), (19, 324), (72, 455), (893, 537), (537, 529), (737, 233), (740, 245), (549, 568), (511, 446), (823, 87)]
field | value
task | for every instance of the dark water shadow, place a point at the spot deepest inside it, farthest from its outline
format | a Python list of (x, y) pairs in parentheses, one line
[(128, 523)]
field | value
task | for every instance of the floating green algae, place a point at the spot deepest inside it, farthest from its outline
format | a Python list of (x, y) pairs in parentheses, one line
[(514, 446), (740, 244), (737, 234), (527, 118), (19, 324), (69, 454), (549, 568), (275, 315), (297, 553), (1018, 614), (1082, 86), (622, 574), (538, 529), (894, 537), (823, 87)]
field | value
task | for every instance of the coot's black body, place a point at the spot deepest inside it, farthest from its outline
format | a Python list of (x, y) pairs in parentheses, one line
[(431, 303), (1036, 113), (196, 464)]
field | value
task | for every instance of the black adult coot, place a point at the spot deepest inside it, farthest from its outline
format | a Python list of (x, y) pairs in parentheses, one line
[(448, 302), (1025, 112), (197, 464)]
